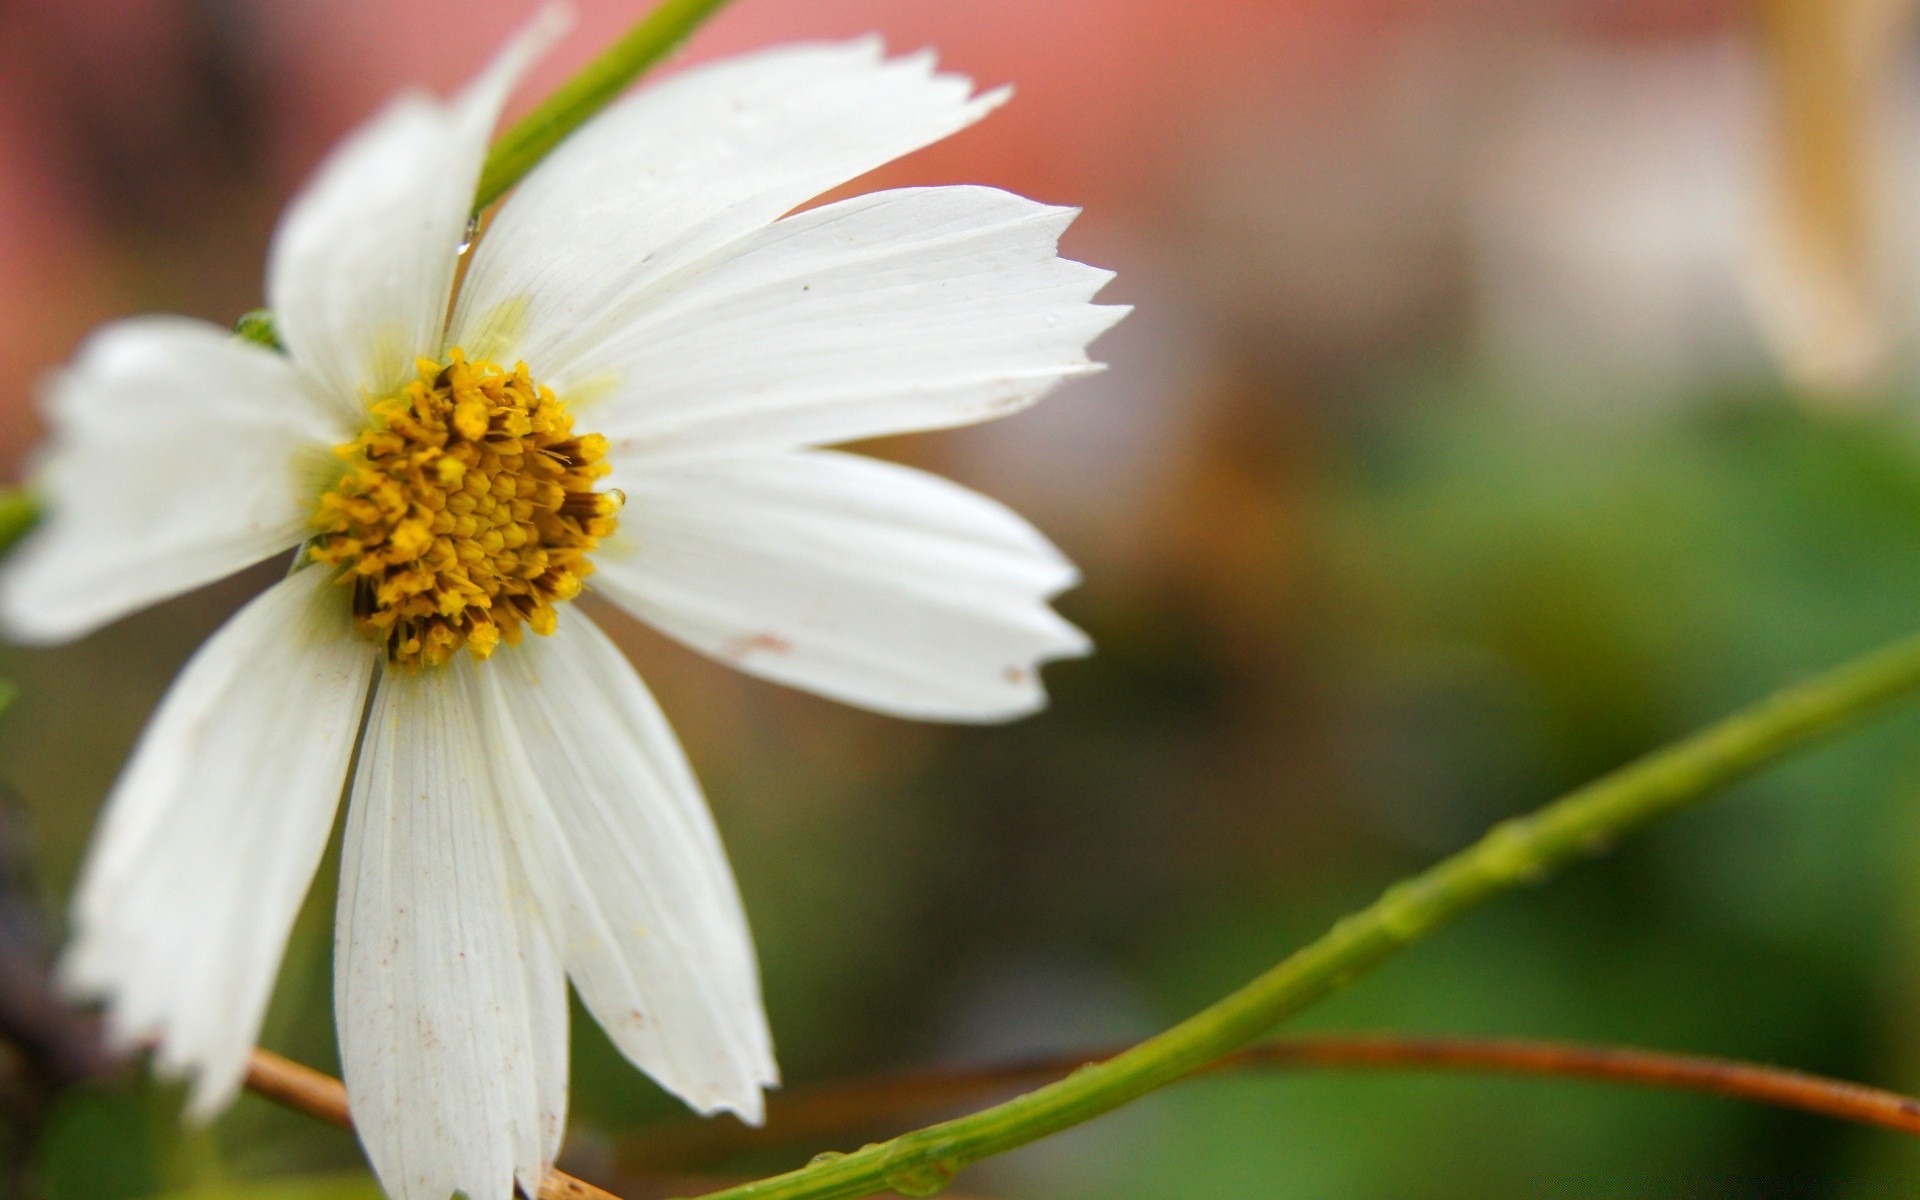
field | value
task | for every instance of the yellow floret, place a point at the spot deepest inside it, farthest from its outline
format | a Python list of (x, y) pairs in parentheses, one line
[(467, 510)]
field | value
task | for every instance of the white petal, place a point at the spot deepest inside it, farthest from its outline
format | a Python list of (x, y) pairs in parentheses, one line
[(445, 982), (179, 454), (682, 168), (547, 998), (891, 312), (631, 868), (864, 581), (362, 265), (211, 837)]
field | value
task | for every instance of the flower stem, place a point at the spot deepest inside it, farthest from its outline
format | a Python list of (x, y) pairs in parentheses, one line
[(1523, 850), (592, 89)]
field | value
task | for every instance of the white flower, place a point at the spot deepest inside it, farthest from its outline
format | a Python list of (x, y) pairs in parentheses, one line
[(524, 816)]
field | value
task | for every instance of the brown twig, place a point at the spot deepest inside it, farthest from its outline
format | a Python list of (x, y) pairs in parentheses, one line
[(284, 1081), (287, 1082), (858, 1104), (832, 1108)]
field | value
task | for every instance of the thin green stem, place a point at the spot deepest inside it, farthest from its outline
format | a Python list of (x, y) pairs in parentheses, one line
[(655, 37), (1523, 850)]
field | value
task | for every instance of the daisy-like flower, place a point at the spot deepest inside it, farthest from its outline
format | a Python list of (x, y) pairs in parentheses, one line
[(628, 385)]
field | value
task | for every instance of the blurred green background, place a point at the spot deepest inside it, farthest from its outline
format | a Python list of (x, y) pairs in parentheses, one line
[(1502, 402)]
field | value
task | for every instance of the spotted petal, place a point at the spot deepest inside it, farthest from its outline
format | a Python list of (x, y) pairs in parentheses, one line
[(447, 989), (179, 454), (625, 855), (864, 581), (214, 831)]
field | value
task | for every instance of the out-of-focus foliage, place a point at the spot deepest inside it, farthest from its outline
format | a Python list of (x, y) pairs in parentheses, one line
[(1502, 603), (351, 1185)]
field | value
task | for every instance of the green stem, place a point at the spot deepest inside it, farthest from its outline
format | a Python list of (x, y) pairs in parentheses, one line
[(1523, 850), (655, 37)]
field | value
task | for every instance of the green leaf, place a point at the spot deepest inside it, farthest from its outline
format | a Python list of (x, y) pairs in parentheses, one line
[(19, 511), (257, 327)]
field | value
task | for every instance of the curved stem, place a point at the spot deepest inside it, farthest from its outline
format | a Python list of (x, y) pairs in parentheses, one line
[(300, 1087), (855, 1104), (1523, 850), (592, 89)]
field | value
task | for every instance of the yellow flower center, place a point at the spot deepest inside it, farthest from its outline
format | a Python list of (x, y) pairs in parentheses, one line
[(468, 508)]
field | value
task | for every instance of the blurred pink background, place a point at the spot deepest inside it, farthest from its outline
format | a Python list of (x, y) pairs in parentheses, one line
[(147, 144), (1293, 181)]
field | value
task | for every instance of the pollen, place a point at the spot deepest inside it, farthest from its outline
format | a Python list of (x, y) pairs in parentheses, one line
[(467, 512)]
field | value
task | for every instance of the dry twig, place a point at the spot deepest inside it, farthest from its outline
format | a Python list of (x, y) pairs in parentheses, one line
[(835, 1108), (287, 1082), (861, 1104)]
